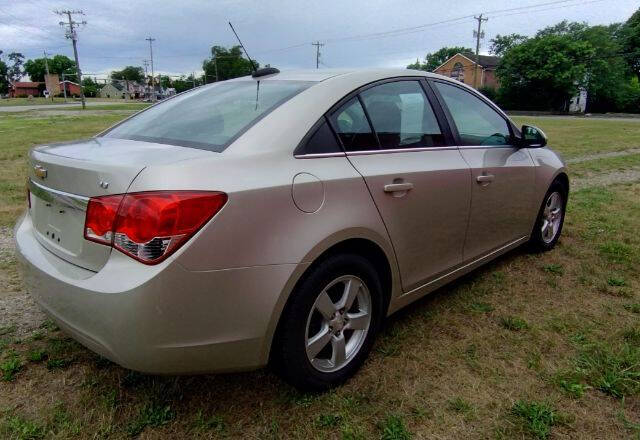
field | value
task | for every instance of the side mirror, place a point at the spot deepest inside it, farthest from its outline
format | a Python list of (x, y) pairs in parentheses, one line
[(532, 137)]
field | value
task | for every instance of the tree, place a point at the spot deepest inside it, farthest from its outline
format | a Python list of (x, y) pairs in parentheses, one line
[(90, 87), (543, 72), (607, 70), (565, 27), (435, 59), (185, 83), (129, 73), (228, 63), (14, 71), (164, 81), (629, 35), (36, 68), (4, 84), (502, 43), (606, 73)]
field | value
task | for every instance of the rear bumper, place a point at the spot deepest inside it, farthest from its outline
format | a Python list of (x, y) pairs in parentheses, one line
[(159, 319)]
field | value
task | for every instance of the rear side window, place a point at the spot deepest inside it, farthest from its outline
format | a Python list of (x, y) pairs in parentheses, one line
[(477, 122), (352, 127), (402, 116), (321, 141), (211, 117)]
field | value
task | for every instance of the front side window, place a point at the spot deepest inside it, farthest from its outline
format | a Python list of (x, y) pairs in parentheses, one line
[(477, 122), (208, 118), (402, 116), (352, 127)]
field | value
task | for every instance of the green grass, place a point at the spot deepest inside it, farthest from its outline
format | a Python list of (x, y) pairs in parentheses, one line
[(555, 269), (574, 137), (393, 428), (151, 415), (10, 366), (538, 418), (513, 323), (460, 405), (18, 428), (613, 370)]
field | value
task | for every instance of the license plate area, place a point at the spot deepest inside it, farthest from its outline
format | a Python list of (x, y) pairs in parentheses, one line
[(59, 224), (58, 220)]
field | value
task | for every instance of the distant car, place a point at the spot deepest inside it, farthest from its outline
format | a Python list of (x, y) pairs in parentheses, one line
[(279, 218)]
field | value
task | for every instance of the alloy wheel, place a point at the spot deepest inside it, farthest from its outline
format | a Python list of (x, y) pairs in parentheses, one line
[(338, 323), (551, 217)]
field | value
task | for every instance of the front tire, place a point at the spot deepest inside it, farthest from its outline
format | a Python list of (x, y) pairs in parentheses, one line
[(550, 220), (330, 323)]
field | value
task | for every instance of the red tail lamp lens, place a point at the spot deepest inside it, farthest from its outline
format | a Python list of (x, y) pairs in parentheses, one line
[(101, 215), (150, 226)]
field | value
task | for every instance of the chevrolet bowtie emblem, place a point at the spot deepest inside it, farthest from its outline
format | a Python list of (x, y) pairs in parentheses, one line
[(40, 171)]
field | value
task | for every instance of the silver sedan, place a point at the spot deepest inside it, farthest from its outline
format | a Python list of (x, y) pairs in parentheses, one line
[(279, 218)]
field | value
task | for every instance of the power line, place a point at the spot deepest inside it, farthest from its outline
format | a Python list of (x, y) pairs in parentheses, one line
[(407, 30)]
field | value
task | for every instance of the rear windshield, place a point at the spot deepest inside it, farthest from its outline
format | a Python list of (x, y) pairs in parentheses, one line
[(210, 117)]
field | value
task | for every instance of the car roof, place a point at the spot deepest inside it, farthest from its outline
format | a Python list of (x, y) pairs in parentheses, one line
[(318, 75)]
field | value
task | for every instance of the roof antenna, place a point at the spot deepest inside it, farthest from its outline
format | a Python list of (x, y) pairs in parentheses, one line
[(253, 65)]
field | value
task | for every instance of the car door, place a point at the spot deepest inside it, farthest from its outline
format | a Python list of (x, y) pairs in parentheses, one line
[(417, 178), (503, 176)]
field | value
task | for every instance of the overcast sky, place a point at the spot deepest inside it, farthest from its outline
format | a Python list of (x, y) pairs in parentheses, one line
[(279, 32)]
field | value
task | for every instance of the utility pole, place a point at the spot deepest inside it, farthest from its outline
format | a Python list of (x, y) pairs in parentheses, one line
[(318, 45), (73, 35), (46, 66), (146, 76), (478, 34), (64, 87), (193, 77), (153, 85)]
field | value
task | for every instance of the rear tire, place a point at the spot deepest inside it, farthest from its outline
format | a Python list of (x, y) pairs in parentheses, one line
[(329, 325), (550, 220)]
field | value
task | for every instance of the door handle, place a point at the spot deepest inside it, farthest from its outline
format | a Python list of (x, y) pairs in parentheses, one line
[(397, 187), (485, 178)]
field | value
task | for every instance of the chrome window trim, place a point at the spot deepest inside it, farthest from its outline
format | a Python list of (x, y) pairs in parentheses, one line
[(401, 150), (386, 151), (320, 155), (473, 147), (49, 195)]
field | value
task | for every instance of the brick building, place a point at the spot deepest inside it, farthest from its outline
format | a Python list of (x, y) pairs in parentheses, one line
[(462, 66)]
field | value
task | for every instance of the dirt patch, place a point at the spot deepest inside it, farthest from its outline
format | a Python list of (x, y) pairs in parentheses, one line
[(603, 155), (17, 307), (604, 179)]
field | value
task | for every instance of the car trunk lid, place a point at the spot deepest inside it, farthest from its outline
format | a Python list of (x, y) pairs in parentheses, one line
[(62, 178)]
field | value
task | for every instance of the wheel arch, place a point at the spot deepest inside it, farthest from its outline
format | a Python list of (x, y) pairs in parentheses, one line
[(563, 178), (372, 248)]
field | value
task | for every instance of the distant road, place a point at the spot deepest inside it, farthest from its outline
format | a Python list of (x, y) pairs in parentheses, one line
[(24, 108)]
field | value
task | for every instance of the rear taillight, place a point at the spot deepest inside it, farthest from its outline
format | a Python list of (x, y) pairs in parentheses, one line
[(150, 226), (100, 218)]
